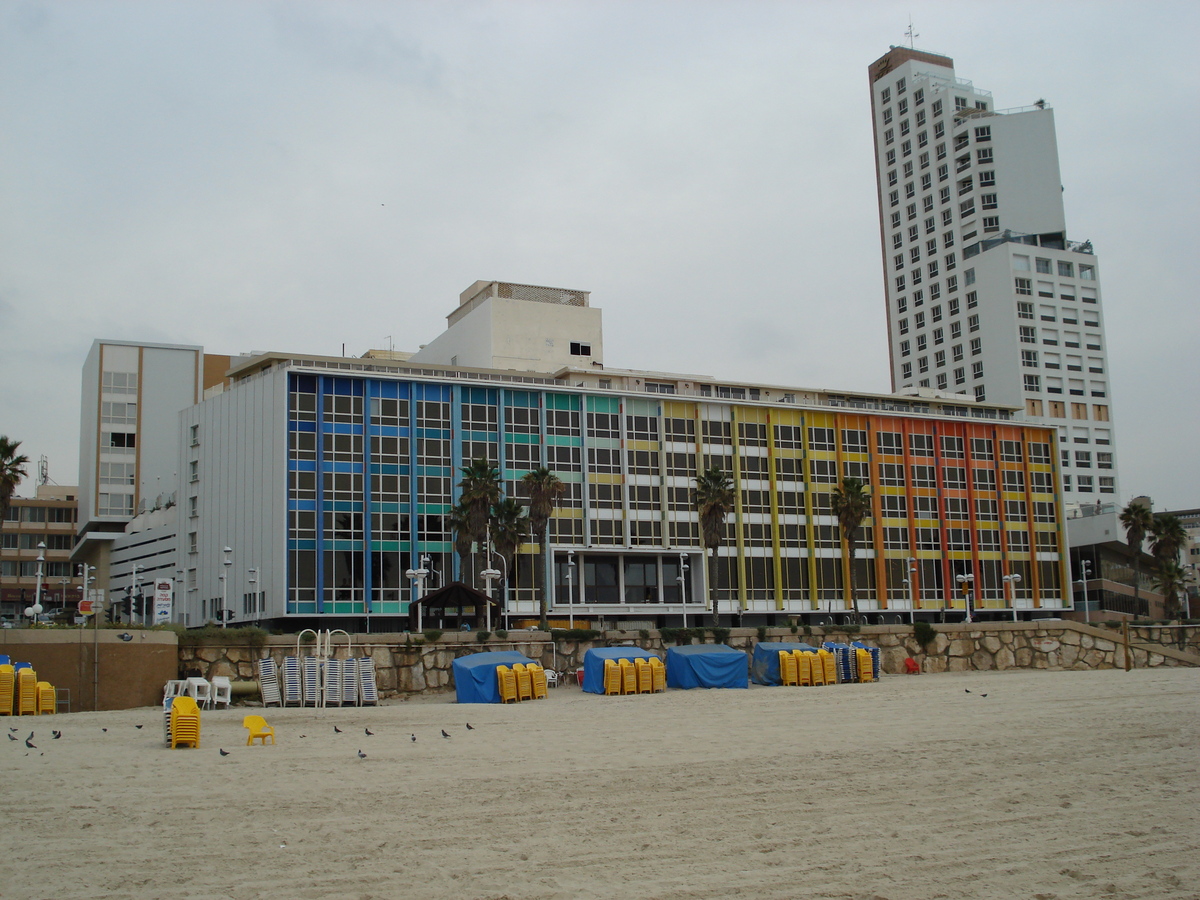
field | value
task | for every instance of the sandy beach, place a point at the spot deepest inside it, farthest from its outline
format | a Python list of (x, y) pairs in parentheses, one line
[(1054, 785)]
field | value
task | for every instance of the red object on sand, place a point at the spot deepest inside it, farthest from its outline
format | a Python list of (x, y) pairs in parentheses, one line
[(911, 667)]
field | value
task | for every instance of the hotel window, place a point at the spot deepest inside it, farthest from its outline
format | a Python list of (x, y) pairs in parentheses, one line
[(947, 217), (915, 275), (891, 157), (940, 150), (983, 155), (977, 370), (987, 179), (1066, 269), (920, 444), (918, 96), (901, 86), (1025, 310), (921, 343), (984, 132), (941, 381), (923, 364), (892, 178), (1108, 486), (1099, 413), (967, 208), (906, 148), (898, 261), (972, 323), (904, 326), (1045, 289), (887, 116), (919, 320), (943, 173), (935, 291), (960, 376), (899, 282), (1042, 265), (910, 190), (904, 348), (936, 108), (927, 204), (1087, 273), (924, 160), (930, 224), (897, 241), (991, 223), (906, 370), (1033, 383), (1024, 286), (937, 336), (889, 137), (936, 313), (957, 352), (911, 211), (1028, 334), (1029, 359), (976, 346), (885, 96), (901, 304)]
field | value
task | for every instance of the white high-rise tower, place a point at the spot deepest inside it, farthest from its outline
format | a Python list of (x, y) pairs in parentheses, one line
[(985, 294)]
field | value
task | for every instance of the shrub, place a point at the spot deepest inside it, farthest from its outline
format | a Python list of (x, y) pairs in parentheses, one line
[(432, 634), (574, 634), (795, 628), (482, 636), (502, 633), (924, 633), (721, 635), (252, 635), (644, 634), (808, 631), (762, 632)]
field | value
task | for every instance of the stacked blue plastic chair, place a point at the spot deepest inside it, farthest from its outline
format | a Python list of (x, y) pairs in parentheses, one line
[(268, 682), (350, 682), (846, 663), (876, 656), (333, 682), (368, 690), (310, 674)]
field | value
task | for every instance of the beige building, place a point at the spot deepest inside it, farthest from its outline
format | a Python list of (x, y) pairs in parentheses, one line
[(46, 519)]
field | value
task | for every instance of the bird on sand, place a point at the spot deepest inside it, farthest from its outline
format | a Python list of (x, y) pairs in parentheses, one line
[(224, 752), (361, 755), (336, 730), (56, 734), (105, 730), (12, 729), (967, 690), (444, 733), (369, 732), (12, 737), (29, 744), (138, 727), (469, 728), (413, 737)]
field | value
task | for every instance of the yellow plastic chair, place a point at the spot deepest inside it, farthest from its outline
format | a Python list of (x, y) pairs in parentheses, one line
[(818, 667), (27, 693), (645, 677), (804, 668), (787, 668), (658, 675), (259, 729), (612, 677), (866, 665), (507, 682), (47, 702), (524, 682), (628, 677), (828, 663), (537, 678), (185, 722), (7, 683)]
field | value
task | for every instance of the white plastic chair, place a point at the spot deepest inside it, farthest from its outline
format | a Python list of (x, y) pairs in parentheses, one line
[(174, 689), (200, 691), (551, 678), (222, 691)]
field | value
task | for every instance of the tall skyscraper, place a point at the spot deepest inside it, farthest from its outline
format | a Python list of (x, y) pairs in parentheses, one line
[(986, 295)]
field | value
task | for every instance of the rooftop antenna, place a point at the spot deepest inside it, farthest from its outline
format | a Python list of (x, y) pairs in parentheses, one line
[(911, 34), (43, 470)]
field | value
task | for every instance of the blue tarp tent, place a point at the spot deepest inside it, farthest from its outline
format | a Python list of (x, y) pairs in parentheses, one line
[(764, 668), (706, 665), (593, 664), (475, 675)]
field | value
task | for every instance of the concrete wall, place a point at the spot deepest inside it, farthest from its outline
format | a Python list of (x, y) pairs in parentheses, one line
[(131, 674)]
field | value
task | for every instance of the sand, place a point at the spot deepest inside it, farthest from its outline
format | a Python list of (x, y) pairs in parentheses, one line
[(1054, 785)]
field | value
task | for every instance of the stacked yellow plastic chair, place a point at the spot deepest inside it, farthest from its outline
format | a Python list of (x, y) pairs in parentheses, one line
[(866, 666), (257, 728), (645, 677), (46, 700), (612, 677), (524, 684), (507, 682), (658, 675), (26, 692), (185, 722), (787, 668), (817, 664), (628, 677), (537, 678), (804, 668), (7, 683), (828, 662)]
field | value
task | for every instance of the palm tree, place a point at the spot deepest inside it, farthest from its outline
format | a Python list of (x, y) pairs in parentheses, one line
[(480, 487), (851, 503), (12, 470), (459, 519), (544, 490), (1169, 582), (509, 525), (1169, 537), (714, 501), (1137, 522)]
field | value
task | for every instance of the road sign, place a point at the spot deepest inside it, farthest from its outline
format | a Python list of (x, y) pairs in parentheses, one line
[(85, 607), (163, 590)]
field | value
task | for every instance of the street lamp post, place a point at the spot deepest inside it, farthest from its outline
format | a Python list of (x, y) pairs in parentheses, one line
[(1187, 599), (683, 570), (417, 577), (1012, 581), (911, 581), (225, 586), (966, 581), (1085, 572), (252, 581), (36, 610), (489, 575), (571, 588)]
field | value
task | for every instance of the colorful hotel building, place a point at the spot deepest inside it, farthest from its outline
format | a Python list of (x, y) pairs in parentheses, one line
[(329, 478)]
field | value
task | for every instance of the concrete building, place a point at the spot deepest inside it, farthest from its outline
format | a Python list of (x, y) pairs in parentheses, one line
[(311, 485), (47, 518), (128, 453), (1105, 570), (986, 294)]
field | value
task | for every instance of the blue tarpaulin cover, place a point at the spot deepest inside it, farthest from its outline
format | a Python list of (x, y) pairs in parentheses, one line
[(593, 664), (475, 675), (764, 668), (707, 665)]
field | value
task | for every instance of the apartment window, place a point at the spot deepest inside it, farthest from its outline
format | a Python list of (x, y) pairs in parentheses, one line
[(927, 204), (923, 364), (1087, 273), (1099, 413), (924, 160), (991, 223), (906, 148), (943, 173), (935, 314), (1042, 265), (891, 157), (1028, 334), (972, 299), (897, 241), (935, 291), (987, 179), (1029, 359), (913, 233), (957, 352), (889, 136), (580, 349), (899, 282), (901, 304), (947, 217), (967, 207), (904, 350), (1108, 485), (984, 132), (952, 280), (885, 96), (915, 275), (1066, 269), (910, 190), (898, 261), (918, 96), (936, 107), (965, 186), (194, 470), (976, 370), (906, 370), (930, 225), (939, 358), (887, 116), (903, 326), (1024, 286), (911, 211), (980, 393), (940, 149), (1024, 310), (1033, 384), (926, 182), (983, 155), (900, 86), (987, 201), (920, 343), (960, 375)]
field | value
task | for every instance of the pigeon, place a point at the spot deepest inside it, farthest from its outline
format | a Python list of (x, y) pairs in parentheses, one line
[(336, 730), (967, 690), (105, 730), (13, 737), (30, 738), (444, 733), (12, 729), (224, 752), (138, 727), (369, 732), (414, 738), (29, 744), (469, 728), (304, 735), (983, 695), (56, 734), (361, 755)]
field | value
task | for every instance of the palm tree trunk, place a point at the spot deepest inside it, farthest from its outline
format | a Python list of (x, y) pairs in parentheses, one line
[(713, 568), (541, 575), (853, 591)]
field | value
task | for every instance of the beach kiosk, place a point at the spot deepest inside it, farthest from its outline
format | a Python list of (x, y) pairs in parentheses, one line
[(594, 659), (475, 675), (707, 665), (764, 666)]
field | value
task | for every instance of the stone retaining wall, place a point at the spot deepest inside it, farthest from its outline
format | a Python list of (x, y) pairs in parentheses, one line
[(406, 664)]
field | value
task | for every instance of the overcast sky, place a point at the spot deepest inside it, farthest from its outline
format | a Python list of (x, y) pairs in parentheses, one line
[(295, 176)]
